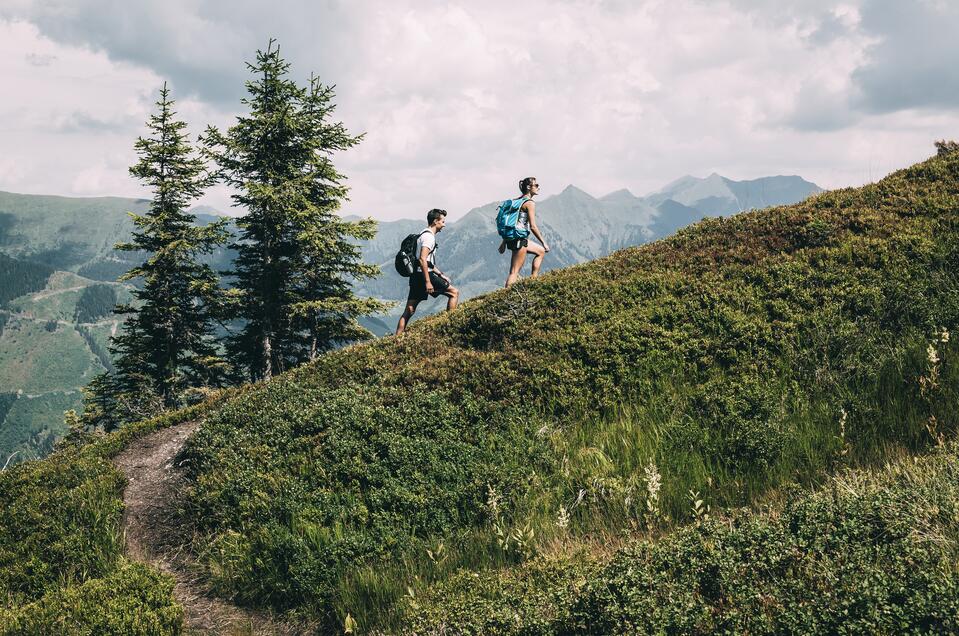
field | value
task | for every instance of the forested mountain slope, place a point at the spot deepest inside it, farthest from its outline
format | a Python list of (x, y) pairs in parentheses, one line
[(58, 272), (498, 468), (54, 334)]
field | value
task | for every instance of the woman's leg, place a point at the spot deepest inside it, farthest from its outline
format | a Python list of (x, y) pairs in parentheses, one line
[(538, 253), (516, 264)]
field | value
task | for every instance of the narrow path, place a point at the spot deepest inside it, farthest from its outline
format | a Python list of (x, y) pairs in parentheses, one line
[(156, 534), (53, 292)]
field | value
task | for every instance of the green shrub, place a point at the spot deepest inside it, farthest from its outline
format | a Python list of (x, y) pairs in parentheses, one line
[(61, 525), (345, 477), (528, 599), (131, 600), (864, 556)]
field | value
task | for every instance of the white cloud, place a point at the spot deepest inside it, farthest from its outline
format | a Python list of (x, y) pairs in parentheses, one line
[(60, 116), (460, 100)]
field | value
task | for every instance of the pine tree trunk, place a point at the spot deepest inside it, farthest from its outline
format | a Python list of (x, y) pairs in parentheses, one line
[(267, 357)]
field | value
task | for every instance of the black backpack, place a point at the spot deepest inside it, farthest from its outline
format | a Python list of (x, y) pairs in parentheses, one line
[(407, 260)]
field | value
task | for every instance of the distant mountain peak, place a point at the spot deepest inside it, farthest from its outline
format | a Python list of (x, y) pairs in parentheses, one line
[(573, 190), (622, 194), (207, 210)]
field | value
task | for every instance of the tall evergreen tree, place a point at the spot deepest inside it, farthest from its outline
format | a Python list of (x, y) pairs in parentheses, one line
[(296, 257), (166, 345)]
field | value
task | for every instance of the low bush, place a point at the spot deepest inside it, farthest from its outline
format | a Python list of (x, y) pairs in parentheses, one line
[(866, 555), (61, 525), (131, 600)]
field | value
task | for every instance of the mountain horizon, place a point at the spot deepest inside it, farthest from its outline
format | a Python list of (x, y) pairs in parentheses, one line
[(205, 209), (60, 251)]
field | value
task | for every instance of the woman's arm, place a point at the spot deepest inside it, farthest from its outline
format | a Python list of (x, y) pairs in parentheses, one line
[(531, 210)]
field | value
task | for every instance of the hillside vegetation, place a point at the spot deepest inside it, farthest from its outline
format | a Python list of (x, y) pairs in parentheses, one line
[(740, 355), (558, 457)]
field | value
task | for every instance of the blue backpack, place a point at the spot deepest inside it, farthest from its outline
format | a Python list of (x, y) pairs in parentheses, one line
[(508, 216)]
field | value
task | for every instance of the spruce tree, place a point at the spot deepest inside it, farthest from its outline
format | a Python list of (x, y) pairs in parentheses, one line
[(166, 345), (296, 257)]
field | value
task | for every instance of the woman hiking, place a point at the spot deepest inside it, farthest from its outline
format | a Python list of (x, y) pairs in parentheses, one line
[(525, 224)]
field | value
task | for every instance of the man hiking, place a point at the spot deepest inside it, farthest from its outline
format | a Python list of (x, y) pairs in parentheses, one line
[(525, 224), (426, 280)]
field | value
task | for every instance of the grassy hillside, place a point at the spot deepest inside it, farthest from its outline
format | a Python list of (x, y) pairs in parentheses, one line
[(541, 459), (33, 423), (723, 360), (39, 356), (869, 553)]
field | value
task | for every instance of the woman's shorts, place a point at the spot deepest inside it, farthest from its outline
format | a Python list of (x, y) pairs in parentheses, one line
[(517, 243)]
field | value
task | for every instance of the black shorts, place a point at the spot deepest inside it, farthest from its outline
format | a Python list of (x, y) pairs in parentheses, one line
[(418, 285), (517, 243)]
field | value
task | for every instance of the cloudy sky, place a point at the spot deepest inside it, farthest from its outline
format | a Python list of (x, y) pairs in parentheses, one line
[(459, 100)]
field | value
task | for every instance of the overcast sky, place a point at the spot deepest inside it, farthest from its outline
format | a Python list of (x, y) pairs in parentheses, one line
[(460, 100)]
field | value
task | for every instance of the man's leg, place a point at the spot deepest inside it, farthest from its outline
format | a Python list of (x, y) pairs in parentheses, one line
[(411, 305), (515, 264), (538, 253), (454, 295)]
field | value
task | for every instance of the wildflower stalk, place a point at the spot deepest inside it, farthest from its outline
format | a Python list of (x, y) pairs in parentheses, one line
[(929, 383), (654, 483)]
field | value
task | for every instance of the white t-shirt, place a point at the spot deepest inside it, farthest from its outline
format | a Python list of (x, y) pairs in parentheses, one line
[(428, 240)]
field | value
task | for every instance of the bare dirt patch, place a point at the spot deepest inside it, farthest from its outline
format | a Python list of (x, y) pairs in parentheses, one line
[(157, 534)]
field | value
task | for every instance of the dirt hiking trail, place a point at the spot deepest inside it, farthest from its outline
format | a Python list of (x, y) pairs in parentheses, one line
[(157, 534)]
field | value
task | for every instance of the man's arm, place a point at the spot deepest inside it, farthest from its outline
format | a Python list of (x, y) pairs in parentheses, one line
[(531, 210), (424, 267)]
